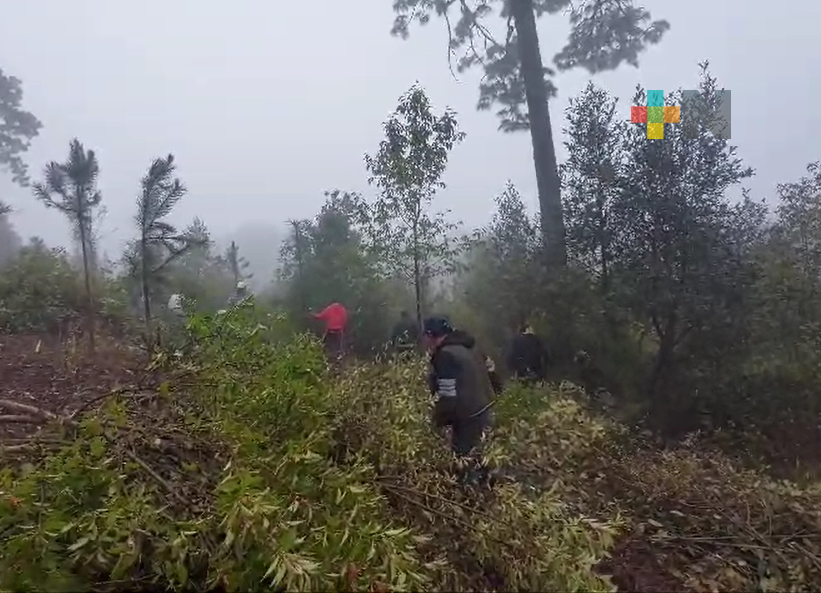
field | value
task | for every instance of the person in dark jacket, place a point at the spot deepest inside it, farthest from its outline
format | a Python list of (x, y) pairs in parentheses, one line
[(528, 357), (460, 382), (405, 333)]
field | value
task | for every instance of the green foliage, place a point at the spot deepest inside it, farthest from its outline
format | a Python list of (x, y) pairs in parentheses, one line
[(73, 518), (158, 243), (410, 242), (688, 306), (591, 177), (257, 452), (198, 273), (327, 260), (39, 291), (362, 254), (256, 466), (305, 519), (504, 273), (10, 242), (668, 250), (71, 188), (799, 221), (260, 471), (520, 538), (278, 512), (604, 34), (17, 127), (236, 263)]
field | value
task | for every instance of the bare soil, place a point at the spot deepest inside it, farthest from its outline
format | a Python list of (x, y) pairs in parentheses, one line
[(59, 377), (635, 567)]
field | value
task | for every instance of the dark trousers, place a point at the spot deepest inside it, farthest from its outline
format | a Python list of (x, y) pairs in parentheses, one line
[(333, 344), (466, 435), (528, 376), (466, 441)]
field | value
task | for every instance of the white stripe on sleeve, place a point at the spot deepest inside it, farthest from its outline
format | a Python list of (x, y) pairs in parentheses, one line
[(446, 387)]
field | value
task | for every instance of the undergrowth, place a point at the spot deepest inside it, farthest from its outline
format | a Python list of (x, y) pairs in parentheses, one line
[(254, 468)]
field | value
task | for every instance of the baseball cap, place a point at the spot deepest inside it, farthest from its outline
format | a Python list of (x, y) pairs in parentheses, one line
[(437, 326)]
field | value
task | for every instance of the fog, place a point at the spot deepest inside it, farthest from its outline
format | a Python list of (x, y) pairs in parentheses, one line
[(268, 105)]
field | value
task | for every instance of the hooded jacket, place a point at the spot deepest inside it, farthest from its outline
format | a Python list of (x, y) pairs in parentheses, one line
[(175, 305), (460, 380), (335, 317), (528, 356)]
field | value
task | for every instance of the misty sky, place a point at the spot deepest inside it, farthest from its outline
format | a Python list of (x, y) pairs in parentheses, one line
[(268, 104)]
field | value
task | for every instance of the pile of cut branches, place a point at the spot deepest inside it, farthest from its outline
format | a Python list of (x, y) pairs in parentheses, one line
[(102, 487), (717, 526), (145, 425), (224, 484)]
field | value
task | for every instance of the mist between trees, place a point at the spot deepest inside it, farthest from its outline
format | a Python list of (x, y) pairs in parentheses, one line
[(680, 312), (687, 302)]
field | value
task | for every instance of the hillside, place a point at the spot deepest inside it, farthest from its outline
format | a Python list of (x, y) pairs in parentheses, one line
[(246, 465)]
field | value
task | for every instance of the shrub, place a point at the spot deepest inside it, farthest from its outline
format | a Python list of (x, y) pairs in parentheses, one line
[(522, 535), (253, 466), (237, 482), (40, 291)]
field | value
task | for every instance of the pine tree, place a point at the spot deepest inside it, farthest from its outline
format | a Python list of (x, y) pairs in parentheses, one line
[(71, 188)]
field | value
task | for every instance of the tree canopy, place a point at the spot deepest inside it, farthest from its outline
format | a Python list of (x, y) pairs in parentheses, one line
[(17, 128), (71, 188), (603, 35)]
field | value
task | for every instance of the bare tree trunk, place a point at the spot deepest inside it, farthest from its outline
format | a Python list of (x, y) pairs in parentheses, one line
[(541, 134), (149, 336), (299, 264), (234, 263), (662, 398), (417, 279), (87, 276), (603, 240)]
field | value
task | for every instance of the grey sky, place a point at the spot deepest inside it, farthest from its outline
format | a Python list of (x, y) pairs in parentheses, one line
[(267, 104)]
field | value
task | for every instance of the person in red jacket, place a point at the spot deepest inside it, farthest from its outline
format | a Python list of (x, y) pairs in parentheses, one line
[(335, 317)]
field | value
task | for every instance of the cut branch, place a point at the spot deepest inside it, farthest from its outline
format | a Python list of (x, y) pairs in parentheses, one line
[(19, 419), (28, 409)]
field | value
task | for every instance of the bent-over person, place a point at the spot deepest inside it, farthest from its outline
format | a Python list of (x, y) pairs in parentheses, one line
[(464, 395)]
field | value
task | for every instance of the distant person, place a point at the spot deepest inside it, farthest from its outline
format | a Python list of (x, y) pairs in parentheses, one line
[(405, 333), (528, 356), (335, 318), (177, 319), (239, 295), (459, 380), (175, 305)]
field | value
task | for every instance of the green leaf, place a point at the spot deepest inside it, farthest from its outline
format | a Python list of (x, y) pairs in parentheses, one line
[(97, 446), (79, 544), (182, 574), (229, 539)]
